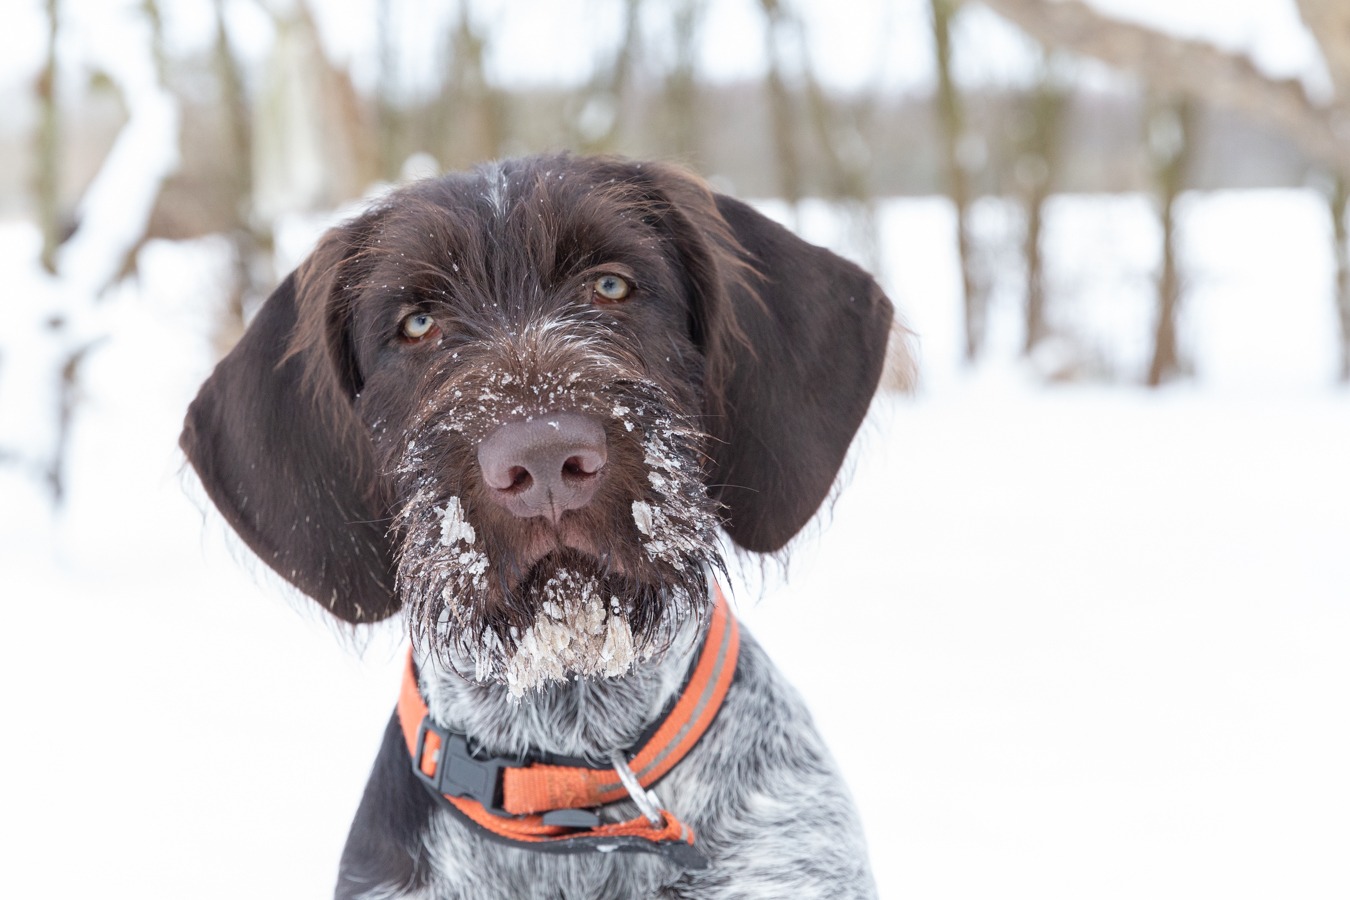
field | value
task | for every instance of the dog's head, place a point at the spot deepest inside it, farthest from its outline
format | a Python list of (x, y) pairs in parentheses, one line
[(517, 403)]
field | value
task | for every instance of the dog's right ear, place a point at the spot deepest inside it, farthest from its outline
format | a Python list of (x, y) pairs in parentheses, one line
[(274, 438)]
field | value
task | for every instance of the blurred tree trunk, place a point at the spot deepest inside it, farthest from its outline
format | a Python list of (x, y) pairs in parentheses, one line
[(313, 143), (47, 180), (951, 117), (1329, 22), (681, 87), (836, 131), (841, 133), (782, 112), (388, 121), (1036, 328), (47, 192), (1204, 73), (250, 238), (68, 401), (113, 215), (77, 350), (1170, 143), (1340, 206), (596, 120), (1034, 172), (476, 124), (150, 9), (839, 158), (48, 189)]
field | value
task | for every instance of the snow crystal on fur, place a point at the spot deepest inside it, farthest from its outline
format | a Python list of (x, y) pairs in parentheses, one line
[(576, 633)]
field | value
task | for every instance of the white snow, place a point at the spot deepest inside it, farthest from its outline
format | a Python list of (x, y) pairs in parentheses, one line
[(454, 527), (1087, 641), (642, 516), (576, 633), (52, 321), (115, 208)]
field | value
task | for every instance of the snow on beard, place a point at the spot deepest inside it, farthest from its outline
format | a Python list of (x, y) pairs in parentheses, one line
[(487, 614)]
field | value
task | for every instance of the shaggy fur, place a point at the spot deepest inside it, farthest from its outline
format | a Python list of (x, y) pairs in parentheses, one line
[(699, 368)]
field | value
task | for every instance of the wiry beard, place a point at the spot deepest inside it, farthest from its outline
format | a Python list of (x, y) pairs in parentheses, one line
[(488, 609)]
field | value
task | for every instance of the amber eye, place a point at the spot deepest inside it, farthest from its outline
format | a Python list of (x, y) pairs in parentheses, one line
[(419, 327), (611, 289)]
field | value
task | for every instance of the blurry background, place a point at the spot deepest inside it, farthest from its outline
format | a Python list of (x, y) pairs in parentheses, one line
[(1076, 625)]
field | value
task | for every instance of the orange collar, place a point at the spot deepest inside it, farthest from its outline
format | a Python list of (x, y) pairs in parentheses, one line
[(543, 806)]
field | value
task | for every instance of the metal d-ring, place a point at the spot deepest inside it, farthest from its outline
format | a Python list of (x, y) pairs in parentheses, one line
[(647, 802)]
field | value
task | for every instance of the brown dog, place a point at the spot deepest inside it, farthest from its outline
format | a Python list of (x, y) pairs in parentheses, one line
[(515, 405)]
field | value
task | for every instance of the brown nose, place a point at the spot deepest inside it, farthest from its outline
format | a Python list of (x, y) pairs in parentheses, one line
[(544, 466)]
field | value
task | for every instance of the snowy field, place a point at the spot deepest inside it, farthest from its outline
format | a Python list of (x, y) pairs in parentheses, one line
[(1082, 641)]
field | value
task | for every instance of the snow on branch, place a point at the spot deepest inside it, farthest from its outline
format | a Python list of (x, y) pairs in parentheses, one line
[(1329, 23), (115, 210), (1194, 69), (41, 385)]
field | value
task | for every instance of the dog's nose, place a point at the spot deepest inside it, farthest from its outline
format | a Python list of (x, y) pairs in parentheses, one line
[(544, 466)]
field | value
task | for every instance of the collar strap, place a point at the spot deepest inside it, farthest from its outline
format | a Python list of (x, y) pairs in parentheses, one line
[(545, 806)]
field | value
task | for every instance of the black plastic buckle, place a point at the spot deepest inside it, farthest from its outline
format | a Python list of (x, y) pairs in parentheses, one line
[(458, 772)]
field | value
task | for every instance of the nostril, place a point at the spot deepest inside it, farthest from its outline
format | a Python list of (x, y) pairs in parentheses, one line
[(582, 465), (545, 465)]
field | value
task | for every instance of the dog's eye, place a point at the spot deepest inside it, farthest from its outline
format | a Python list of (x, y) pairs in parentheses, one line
[(420, 327), (611, 289)]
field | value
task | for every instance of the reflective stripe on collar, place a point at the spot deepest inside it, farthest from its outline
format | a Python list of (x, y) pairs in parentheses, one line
[(545, 807)]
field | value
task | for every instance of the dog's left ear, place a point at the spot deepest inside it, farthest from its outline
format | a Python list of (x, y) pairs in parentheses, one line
[(795, 339), (276, 442)]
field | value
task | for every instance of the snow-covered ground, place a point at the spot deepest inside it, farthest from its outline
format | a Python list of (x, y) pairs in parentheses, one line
[(1082, 641)]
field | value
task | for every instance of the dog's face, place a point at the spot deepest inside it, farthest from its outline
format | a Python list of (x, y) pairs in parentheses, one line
[(518, 403), (533, 387)]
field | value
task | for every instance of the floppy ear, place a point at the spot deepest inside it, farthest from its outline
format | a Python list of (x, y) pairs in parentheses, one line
[(816, 326), (795, 339), (274, 439)]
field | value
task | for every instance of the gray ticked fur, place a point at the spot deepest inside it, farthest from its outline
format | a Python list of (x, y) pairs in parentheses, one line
[(760, 790)]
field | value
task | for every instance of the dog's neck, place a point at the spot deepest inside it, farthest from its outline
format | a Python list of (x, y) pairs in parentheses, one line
[(584, 718)]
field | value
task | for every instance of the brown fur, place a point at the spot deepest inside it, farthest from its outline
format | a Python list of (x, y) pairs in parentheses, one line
[(767, 345)]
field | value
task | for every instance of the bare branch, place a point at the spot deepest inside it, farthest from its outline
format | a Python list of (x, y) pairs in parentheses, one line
[(1189, 68), (1329, 22), (951, 114), (47, 182)]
